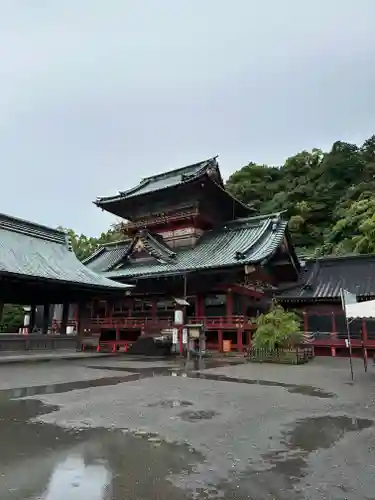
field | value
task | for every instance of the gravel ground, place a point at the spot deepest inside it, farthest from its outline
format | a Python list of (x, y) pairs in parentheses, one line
[(245, 431), (50, 372)]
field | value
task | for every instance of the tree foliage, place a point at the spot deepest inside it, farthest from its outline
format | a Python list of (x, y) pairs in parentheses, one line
[(12, 318), (321, 193), (326, 196), (277, 328), (83, 246)]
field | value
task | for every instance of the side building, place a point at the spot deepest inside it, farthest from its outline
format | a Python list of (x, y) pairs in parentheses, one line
[(39, 270), (317, 296), (188, 243)]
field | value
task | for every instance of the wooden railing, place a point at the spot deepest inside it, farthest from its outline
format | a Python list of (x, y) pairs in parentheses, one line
[(162, 219), (234, 321), (129, 322), (35, 342), (212, 322)]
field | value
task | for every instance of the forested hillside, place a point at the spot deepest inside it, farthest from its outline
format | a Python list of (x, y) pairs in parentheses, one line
[(328, 197)]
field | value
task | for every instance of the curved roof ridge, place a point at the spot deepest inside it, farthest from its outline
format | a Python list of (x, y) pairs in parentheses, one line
[(215, 249), (243, 205), (334, 258), (94, 255), (114, 243), (253, 218), (263, 238), (204, 164), (161, 245), (165, 175), (28, 228), (102, 247), (36, 252)]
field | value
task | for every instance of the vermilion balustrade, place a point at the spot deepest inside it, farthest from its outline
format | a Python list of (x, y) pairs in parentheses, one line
[(208, 321)]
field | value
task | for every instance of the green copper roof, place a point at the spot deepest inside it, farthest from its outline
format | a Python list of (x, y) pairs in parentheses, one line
[(162, 181), (108, 256), (31, 250), (243, 241)]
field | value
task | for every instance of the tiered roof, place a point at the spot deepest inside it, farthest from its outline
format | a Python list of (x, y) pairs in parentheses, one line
[(323, 277), (163, 183), (249, 240), (34, 252)]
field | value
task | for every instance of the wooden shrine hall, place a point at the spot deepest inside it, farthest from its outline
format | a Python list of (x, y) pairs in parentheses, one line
[(187, 245), (186, 237), (317, 297), (38, 267)]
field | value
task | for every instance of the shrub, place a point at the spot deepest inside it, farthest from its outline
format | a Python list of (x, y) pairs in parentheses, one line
[(277, 328)]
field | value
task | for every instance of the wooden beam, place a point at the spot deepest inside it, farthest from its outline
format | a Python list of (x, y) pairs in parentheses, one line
[(64, 319), (32, 318), (46, 315)]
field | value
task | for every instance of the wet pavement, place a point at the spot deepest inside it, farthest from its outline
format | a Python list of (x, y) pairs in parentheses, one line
[(146, 429)]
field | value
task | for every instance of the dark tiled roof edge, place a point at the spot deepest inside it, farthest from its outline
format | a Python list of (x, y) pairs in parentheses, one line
[(247, 221), (165, 175), (161, 249), (323, 277), (105, 246), (34, 229), (259, 249)]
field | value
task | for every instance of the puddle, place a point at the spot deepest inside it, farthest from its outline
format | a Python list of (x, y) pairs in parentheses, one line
[(74, 479), (197, 415), (47, 462), (305, 390), (184, 366), (304, 437), (140, 373), (170, 403), (311, 434), (282, 470), (23, 392), (145, 371)]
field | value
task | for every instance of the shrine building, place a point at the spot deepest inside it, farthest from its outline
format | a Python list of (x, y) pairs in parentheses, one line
[(188, 241)]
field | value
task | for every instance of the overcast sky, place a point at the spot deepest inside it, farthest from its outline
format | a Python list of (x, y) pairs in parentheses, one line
[(96, 94)]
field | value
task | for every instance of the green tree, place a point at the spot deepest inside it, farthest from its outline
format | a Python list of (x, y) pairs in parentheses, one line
[(355, 231), (83, 246), (277, 328), (316, 190), (255, 184), (12, 318)]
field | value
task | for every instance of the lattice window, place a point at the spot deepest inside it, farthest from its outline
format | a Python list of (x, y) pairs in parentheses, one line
[(370, 324), (320, 325), (354, 326)]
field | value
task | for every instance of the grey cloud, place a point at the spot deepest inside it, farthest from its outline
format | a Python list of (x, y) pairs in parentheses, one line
[(95, 95)]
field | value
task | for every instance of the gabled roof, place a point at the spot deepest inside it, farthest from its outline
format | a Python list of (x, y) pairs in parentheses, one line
[(162, 181), (154, 245), (244, 241), (323, 277), (108, 255), (33, 251)]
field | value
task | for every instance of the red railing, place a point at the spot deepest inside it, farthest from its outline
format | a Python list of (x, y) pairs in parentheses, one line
[(163, 219), (223, 321), (129, 322), (211, 322)]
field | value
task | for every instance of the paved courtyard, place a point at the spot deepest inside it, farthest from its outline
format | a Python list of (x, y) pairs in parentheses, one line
[(141, 429)]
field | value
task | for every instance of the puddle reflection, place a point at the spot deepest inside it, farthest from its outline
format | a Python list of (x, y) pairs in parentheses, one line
[(74, 479)]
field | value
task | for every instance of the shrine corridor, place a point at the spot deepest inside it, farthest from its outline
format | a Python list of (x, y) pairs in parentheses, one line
[(147, 429)]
